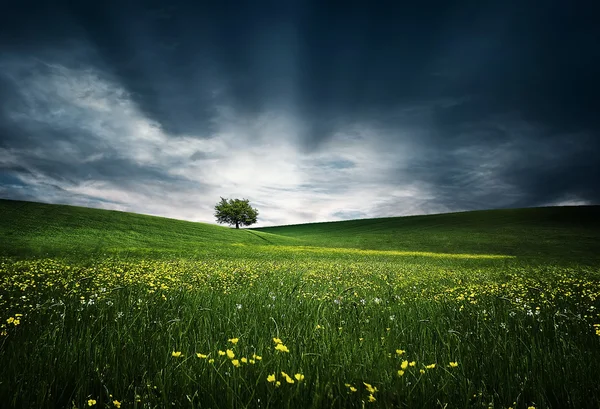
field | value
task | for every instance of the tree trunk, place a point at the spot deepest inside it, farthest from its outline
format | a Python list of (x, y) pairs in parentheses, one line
[(237, 225)]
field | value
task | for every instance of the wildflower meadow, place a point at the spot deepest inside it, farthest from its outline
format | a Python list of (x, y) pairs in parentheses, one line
[(246, 321)]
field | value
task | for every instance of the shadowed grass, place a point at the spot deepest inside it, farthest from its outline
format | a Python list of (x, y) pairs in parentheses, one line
[(557, 233)]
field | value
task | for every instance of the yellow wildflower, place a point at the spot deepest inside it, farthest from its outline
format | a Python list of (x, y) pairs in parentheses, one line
[(370, 388), (257, 357), (236, 363), (233, 340), (400, 352), (91, 402), (453, 364), (211, 361), (201, 356), (116, 403), (221, 353), (413, 363), (271, 378), (400, 372), (430, 366), (277, 384), (281, 348), (422, 370), (230, 354), (288, 379), (353, 389), (244, 360), (299, 377), (252, 361), (404, 364), (176, 354), (277, 341), (372, 398)]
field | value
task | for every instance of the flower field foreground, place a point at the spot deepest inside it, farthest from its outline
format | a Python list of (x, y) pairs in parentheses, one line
[(298, 329)]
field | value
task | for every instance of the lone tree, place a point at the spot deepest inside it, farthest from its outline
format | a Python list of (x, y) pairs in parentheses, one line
[(235, 211)]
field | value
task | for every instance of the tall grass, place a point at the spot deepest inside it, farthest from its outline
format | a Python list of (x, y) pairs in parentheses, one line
[(107, 332), (107, 309)]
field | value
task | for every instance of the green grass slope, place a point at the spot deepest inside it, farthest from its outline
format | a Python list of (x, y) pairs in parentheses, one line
[(34, 229), (571, 233), (551, 233)]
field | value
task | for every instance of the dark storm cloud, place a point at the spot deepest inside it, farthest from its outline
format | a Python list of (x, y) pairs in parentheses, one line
[(9, 179), (503, 165), (571, 170), (332, 62), (496, 101), (54, 148)]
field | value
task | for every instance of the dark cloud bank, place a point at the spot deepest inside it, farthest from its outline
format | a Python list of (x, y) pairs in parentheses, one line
[(370, 109)]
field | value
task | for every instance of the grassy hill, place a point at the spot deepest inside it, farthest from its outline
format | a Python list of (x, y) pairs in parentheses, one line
[(555, 233), (550, 232), (28, 228)]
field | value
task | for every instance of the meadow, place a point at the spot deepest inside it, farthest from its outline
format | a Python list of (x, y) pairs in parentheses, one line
[(104, 309)]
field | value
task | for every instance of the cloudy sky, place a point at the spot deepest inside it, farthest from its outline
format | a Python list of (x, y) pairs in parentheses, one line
[(312, 111)]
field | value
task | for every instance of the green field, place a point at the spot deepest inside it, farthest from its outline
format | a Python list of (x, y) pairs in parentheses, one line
[(482, 309)]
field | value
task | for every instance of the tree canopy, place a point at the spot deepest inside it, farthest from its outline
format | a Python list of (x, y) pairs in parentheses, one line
[(235, 212)]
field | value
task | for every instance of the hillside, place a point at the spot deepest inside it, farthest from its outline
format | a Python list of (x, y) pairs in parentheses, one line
[(547, 232), (552, 233), (28, 228)]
